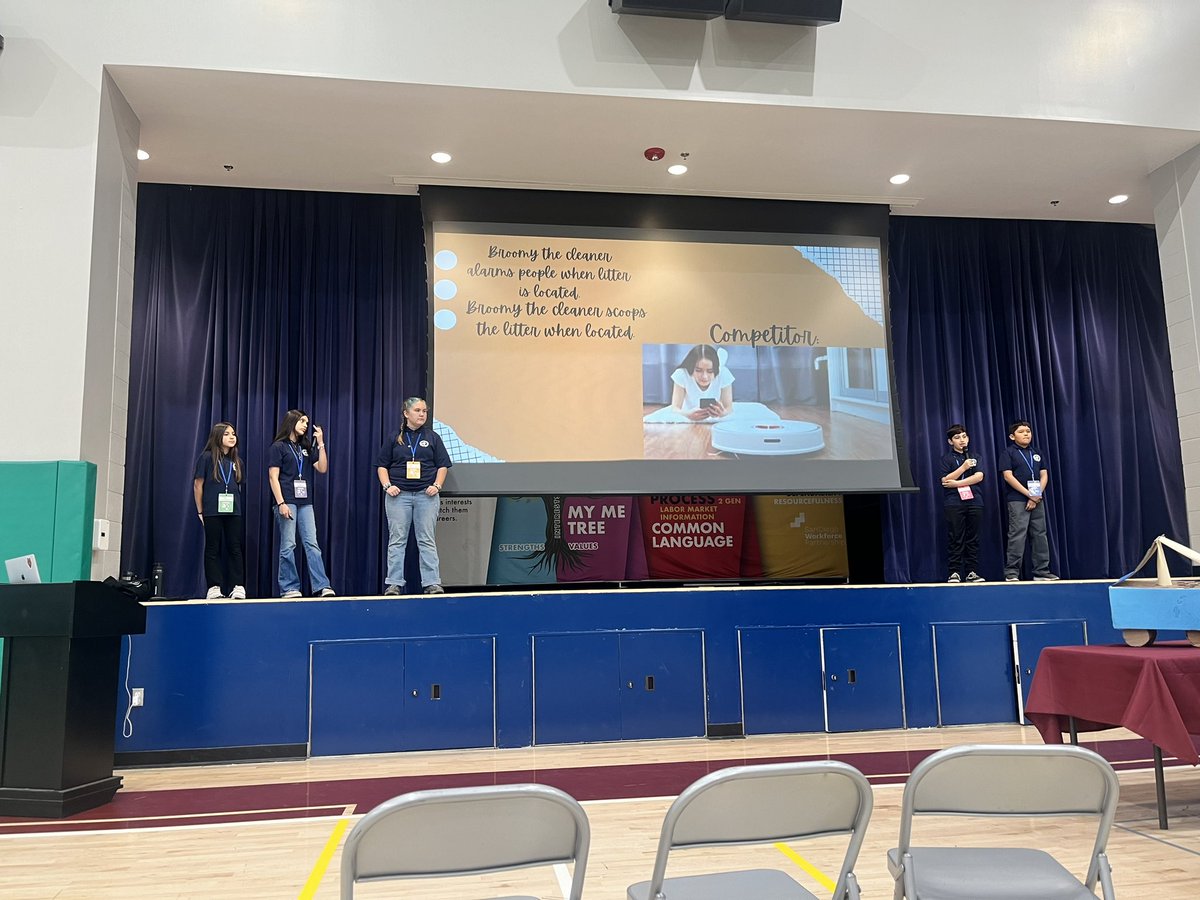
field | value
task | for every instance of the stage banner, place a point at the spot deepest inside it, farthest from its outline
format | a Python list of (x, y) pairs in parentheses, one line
[(801, 536), (464, 539), (519, 549), (694, 536), (597, 534), (709, 537)]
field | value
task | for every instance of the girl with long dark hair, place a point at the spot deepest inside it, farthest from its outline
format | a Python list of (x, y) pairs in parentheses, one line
[(217, 487), (703, 387), (291, 462)]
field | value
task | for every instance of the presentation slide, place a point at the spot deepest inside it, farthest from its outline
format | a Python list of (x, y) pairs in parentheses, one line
[(622, 360)]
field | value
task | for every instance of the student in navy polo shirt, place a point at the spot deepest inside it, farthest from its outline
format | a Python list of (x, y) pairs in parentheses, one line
[(964, 506), (412, 468), (1025, 477), (292, 460), (217, 486)]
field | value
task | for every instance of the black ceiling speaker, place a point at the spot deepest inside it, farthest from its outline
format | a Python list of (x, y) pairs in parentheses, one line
[(785, 12), (674, 9)]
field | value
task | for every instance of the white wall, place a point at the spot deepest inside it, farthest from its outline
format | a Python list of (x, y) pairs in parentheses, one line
[(1176, 189)]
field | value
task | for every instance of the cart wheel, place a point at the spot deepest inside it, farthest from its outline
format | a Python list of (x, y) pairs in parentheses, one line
[(1194, 638), (1144, 637)]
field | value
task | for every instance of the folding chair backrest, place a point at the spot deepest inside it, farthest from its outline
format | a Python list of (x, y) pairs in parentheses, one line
[(1012, 780), (466, 831), (760, 804)]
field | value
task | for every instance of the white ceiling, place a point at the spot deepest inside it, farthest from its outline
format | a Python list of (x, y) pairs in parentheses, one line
[(284, 131)]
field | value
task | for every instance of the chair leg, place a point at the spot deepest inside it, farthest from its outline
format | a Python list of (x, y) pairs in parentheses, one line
[(1106, 884), (852, 892)]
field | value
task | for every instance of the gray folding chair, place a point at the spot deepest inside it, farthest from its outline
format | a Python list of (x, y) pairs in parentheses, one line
[(758, 805), (468, 831), (1014, 781)]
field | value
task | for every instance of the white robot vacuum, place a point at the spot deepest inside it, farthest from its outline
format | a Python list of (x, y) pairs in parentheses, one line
[(783, 438)]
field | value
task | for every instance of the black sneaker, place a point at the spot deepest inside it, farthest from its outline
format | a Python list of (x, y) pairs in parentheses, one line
[(1012, 577), (954, 578), (1048, 576), (975, 578)]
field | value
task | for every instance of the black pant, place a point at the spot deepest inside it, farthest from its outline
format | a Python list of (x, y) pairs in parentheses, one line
[(962, 530), (223, 565)]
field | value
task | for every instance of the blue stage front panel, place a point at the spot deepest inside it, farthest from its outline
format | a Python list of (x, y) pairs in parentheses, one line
[(975, 675), (235, 675), (662, 684), (862, 678), (781, 680), (1030, 638), (577, 688), (357, 697)]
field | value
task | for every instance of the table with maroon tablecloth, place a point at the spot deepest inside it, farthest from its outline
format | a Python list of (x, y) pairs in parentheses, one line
[(1153, 691)]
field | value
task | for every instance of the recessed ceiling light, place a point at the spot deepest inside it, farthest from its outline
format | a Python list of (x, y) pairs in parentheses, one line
[(143, 155), (677, 169), (1118, 198), (899, 179), (441, 157)]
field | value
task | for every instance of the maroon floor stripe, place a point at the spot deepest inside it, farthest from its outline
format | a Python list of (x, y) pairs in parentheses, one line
[(293, 800)]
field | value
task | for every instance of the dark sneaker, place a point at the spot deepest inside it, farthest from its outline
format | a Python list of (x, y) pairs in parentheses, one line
[(954, 578), (392, 590), (434, 589), (974, 578), (1012, 577), (1048, 576)]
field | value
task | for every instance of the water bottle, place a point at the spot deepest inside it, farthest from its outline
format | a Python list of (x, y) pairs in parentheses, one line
[(156, 580)]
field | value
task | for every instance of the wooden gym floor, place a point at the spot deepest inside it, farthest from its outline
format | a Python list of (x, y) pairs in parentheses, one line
[(274, 830)]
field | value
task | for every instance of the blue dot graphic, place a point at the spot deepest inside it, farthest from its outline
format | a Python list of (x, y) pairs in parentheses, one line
[(445, 259), (445, 289), (445, 319)]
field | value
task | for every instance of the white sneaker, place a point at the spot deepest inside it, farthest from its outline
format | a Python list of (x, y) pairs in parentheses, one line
[(290, 595), (238, 593), (326, 592), (214, 593)]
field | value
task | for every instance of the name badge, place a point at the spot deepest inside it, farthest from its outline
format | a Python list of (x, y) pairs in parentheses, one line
[(1034, 487), (225, 503), (412, 468), (300, 489), (965, 492)]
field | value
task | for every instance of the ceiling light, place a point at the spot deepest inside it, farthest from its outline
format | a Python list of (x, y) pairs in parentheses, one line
[(677, 169), (1118, 198), (899, 179), (441, 157), (143, 155)]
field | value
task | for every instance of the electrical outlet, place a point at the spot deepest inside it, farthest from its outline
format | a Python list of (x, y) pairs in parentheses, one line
[(137, 697)]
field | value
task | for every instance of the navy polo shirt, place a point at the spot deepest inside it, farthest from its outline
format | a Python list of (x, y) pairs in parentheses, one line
[(950, 462), (291, 458), (424, 446), (214, 485), (1018, 461)]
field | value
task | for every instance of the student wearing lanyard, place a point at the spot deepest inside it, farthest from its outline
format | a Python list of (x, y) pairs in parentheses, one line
[(964, 507), (412, 468), (291, 461), (1025, 476), (217, 486)]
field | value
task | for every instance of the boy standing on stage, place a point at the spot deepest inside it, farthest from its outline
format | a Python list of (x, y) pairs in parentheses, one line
[(964, 506), (1025, 477)]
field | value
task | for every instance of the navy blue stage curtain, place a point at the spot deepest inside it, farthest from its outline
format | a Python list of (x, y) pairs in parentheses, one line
[(1060, 323), (248, 303)]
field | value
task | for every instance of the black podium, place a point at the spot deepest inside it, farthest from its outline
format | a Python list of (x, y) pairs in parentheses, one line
[(58, 694)]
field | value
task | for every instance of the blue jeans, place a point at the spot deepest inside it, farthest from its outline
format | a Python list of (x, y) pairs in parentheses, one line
[(412, 508), (304, 520)]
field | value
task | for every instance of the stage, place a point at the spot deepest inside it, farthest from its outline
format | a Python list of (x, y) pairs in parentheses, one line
[(260, 679)]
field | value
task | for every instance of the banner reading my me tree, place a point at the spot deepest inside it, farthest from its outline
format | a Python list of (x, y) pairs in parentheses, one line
[(702, 537)]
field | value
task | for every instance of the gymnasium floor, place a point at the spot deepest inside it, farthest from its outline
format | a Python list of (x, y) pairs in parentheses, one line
[(275, 830)]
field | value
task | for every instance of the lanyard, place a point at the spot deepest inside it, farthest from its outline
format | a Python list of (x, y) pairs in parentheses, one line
[(412, 448), (299, 460), (221, 463), (1028, 462)]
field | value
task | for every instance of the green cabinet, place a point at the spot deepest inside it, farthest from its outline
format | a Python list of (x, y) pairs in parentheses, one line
[(47, 509)]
